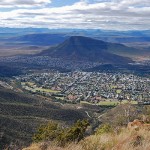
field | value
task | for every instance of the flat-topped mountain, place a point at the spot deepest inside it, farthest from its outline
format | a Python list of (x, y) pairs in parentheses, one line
[(85, 48)]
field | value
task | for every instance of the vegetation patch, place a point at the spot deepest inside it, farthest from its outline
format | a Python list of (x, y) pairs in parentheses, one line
[(56, 133)]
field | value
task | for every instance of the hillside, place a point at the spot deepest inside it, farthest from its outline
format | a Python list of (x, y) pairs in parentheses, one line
[(84, 48), (7, 71), (110, 135), (21, 114), (125, 140)]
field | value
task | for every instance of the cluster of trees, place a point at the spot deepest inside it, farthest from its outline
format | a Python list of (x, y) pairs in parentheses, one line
[(54, 132)]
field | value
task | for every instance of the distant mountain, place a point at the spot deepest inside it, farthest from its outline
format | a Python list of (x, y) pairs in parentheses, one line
[(85, 48), (23, 30), (123, 39), (40, 39), (105, 35)]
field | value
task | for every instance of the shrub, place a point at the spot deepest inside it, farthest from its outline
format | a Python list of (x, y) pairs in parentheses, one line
[(53, 132), (105, 128), (73, 134), (47, 132)]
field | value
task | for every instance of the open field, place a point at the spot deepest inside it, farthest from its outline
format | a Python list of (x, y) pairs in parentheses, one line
[(18, 49), (61, 98), (46, 90), (32, 87), (114, 103), (111, 103), (14, 52)]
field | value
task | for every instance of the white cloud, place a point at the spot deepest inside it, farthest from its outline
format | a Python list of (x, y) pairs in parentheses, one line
[(106, 14), (23, 3)]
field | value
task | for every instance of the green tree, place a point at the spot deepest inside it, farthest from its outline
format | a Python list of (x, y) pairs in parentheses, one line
[(54, 132), (47, 132), (73, 134), (105, 128)]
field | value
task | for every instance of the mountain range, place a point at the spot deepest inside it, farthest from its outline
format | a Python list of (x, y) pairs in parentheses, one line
[(40, 39)]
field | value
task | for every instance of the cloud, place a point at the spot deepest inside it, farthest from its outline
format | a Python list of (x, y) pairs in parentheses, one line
[(100, 14), (23, 3)]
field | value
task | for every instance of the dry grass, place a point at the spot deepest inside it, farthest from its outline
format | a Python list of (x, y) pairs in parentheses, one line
[(125, 140)]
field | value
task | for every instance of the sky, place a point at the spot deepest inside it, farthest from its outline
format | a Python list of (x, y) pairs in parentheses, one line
[(80, 14)]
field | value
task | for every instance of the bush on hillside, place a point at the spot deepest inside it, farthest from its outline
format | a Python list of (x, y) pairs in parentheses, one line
[(105, 128), (53, 132), (146, 116), (73, 134), (47, 132)]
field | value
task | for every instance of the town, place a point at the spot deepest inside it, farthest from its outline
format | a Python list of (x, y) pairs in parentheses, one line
[(48, 62), (92, 87)]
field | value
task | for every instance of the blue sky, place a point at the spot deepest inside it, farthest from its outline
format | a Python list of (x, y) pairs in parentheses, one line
[(58, 3), (86, 14)]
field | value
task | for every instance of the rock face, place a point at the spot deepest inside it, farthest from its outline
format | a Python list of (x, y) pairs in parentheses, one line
[(138, 124), (84, 48)]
